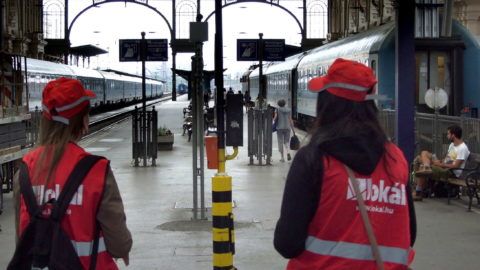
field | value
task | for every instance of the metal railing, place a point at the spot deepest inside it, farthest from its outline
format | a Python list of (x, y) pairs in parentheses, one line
[(260, 134), (138, 134), (32, 127), (431, 131)]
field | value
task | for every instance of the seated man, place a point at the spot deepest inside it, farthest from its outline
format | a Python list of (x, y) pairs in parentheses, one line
[(429, 166)]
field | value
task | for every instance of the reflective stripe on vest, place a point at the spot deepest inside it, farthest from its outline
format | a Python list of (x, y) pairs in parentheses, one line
[(85, 248), (355, 251)]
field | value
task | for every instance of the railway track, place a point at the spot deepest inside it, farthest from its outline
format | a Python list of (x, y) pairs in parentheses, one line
[(103, 120)]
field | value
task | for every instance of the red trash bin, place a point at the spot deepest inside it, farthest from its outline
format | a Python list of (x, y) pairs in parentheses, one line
[(211, 145)]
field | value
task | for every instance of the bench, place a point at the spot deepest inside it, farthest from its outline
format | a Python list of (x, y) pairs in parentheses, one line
[(469, 179)]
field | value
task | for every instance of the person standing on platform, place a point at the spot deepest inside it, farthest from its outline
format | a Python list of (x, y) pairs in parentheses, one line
[(95, 215), (284, 124), (247, 100), (323, 225), (206, 98)]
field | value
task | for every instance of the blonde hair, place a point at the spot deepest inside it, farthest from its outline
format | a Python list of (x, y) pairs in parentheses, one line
[(54, 137)]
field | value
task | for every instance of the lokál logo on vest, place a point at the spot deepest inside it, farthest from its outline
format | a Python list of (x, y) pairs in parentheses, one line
[(49, 194), (382, 193)]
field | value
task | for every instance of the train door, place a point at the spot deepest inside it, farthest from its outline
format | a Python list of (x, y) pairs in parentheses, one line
[(434, 70)]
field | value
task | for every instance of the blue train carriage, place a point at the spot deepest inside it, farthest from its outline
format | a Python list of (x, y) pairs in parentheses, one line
[(39, 73), (133, 88), (281, 82), (93, 80), (254, 80), (245, 80), (149, 88), (154, 88), (114, 87), (370, 47)]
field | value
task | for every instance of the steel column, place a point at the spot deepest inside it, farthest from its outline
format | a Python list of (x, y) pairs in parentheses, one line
[(174, 54), (404, 77), (143, 52)]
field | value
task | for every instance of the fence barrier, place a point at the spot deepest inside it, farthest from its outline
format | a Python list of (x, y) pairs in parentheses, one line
[(260, 134), (141, 149), (431, 131)]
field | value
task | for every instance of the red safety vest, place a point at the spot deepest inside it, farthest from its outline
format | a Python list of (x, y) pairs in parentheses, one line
[(336, 236), (80, 219)]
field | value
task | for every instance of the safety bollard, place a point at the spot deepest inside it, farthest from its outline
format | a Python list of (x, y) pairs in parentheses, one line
[(222, 222)]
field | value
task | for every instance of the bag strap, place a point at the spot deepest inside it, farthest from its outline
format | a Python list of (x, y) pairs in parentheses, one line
[(26, 190), (93, 258), (74, 180), (366, 220)]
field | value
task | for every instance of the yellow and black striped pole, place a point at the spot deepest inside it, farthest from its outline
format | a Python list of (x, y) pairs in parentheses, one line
[(222, 215)]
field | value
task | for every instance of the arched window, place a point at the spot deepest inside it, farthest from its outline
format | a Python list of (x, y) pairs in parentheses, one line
[(317, 13), (186, 11), (53, 19)]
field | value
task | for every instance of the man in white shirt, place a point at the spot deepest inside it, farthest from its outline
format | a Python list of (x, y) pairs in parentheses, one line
[(430, 166)]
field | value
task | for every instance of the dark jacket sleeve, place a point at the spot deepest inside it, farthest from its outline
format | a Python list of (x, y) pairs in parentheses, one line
[(299, 204), (112, 219)]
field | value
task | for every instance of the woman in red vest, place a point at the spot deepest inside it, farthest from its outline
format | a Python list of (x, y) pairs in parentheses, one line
[(96, 210), (320, 226)]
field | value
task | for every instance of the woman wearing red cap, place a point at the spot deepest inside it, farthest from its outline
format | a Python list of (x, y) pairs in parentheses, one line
[(95, 215), (323, 224)]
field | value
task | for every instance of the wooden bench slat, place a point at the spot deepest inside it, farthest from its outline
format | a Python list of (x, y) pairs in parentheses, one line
[(457, 182)]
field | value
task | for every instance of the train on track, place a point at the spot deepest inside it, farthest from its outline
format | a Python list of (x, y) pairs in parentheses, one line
[(448, 63), (112, 88)]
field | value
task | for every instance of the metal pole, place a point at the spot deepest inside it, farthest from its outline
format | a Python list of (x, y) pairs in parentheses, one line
[(200, 115), (66, 34), (304, 30), (193, 77), (219, 85), (1, 25), (222, 216), (404, 78), (143, 52), (261, 92), (200, 134), (174, 53)]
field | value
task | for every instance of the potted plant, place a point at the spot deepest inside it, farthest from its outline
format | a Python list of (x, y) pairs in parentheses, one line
[(165, 139)]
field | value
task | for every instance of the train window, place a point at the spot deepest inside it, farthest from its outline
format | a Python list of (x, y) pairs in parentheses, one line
[(373, 65)]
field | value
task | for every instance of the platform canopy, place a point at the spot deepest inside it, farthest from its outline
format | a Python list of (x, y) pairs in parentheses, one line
[(87, 50)]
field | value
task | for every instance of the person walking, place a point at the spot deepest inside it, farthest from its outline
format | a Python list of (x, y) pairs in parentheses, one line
[(284, 124), (323, 224), (95, 215)]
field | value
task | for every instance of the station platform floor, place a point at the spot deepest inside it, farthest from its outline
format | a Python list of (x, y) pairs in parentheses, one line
[(158, 204)]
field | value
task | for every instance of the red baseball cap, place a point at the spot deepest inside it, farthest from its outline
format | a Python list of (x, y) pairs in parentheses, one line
[(347, 79), (64, 98)]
